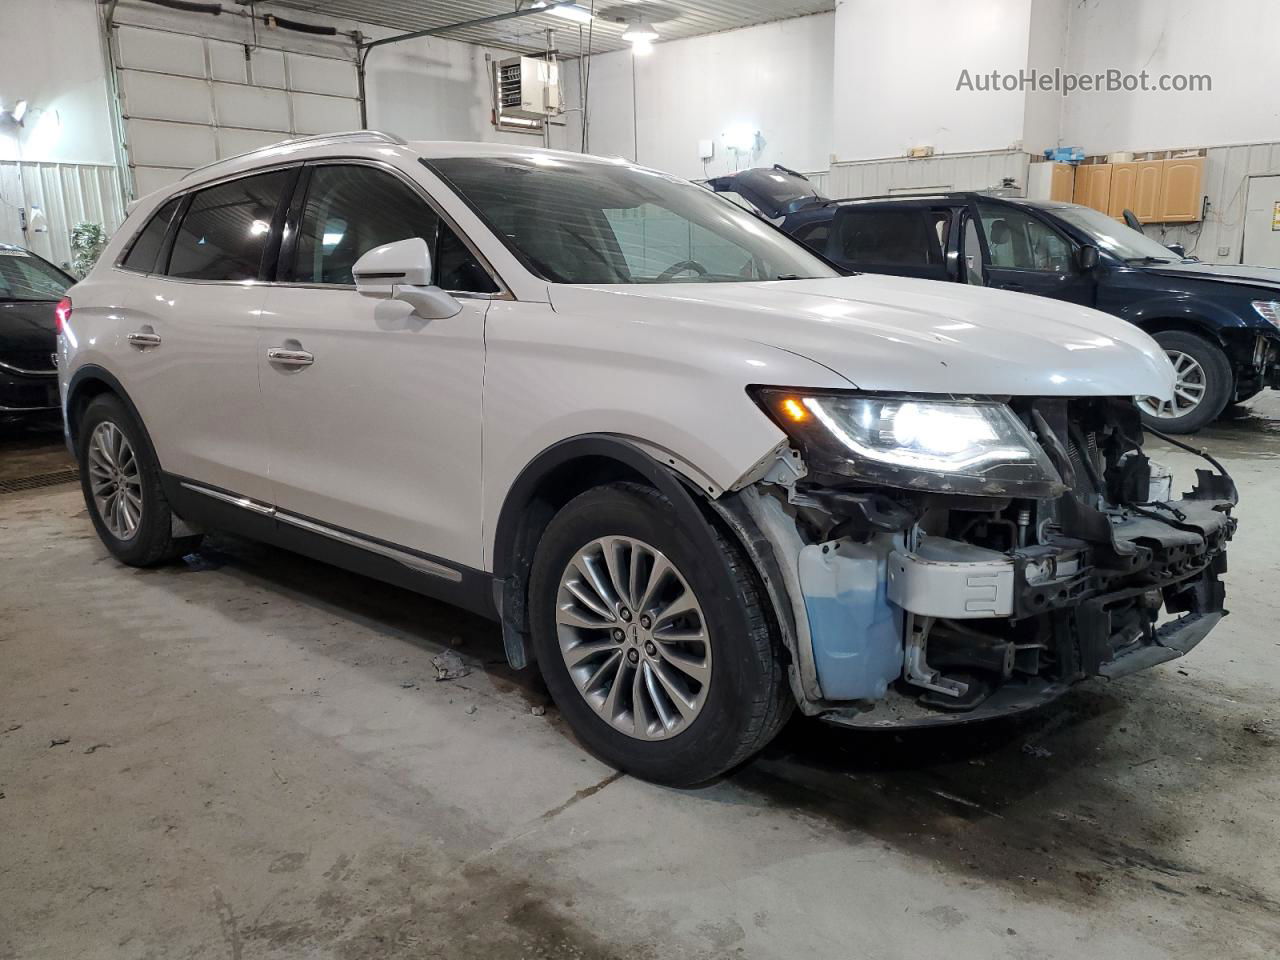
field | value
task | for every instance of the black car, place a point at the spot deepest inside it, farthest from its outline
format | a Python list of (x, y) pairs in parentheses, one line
[(30, 289), (1220, 324)]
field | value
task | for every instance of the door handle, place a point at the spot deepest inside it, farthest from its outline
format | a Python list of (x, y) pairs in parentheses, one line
[(143, 340), (290, 358)]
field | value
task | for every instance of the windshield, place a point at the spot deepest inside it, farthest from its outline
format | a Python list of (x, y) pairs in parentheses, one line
[(1113, 236), (780, 187), (26, 277), (588, 221)]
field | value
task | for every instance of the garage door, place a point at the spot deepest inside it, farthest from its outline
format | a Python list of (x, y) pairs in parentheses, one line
[(189, 100)]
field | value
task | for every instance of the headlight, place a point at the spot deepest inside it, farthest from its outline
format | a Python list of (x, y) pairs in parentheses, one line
[(943, 446), (1268, 310)]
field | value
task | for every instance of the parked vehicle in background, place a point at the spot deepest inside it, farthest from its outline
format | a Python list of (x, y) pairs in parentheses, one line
[(775, 193), (1218, 323), (698, 476), (30, 289)]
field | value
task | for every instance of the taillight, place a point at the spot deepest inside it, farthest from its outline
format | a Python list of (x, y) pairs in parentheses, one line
[(63, 313)]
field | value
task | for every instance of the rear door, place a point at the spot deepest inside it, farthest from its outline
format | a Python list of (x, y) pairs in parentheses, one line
[(1027, 254), (905, 239), (375, 430), (188, 350)]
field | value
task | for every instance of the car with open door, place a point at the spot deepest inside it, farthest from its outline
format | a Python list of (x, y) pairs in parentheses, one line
[(1219, 324), (30, 288), (692, 472)]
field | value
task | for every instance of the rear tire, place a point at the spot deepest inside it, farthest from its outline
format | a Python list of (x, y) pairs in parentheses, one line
[(1204, 372), (120, 479), (636, 728)]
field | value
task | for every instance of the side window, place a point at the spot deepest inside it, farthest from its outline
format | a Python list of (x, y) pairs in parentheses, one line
[(902, 236), (226, 229), (456, 268), (814, 236), (146, 245), (1019, 241), (349, 210)]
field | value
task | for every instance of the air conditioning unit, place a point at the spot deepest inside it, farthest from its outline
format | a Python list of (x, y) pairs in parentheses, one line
[(528, 88)]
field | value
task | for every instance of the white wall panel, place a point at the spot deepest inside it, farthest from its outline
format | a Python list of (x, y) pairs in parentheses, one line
[(67, 193), (149, 179), (313, 113), (227, 61), (976, 171), (159, 96), (232, 142), (178, 54), (255, 108), (318, 75), (268, 68), (183, 145)]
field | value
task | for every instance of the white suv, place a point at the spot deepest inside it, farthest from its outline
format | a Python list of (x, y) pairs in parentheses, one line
[(695, 473)]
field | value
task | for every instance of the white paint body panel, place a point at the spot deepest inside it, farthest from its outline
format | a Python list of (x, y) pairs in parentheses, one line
[(413, 431)]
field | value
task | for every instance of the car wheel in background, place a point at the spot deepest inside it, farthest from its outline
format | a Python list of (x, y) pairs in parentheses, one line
[(121, 482), (662, 658), (1203, 387)]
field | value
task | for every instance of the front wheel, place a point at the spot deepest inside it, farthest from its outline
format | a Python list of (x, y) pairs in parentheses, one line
[(1201, 390), (660, 656)]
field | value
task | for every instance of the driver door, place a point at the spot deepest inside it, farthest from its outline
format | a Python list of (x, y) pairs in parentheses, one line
[(373, 412), (1027, 255)]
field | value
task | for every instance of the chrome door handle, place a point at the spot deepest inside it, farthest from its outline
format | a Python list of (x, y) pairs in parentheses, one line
[(144, 340), (290, 358)]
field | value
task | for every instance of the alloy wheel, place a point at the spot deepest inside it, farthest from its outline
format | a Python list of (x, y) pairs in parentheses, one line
[(1188, 390), (633, 637), (114, 480)]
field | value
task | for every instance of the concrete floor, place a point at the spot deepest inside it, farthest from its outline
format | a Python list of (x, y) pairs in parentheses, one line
[(258, 763)]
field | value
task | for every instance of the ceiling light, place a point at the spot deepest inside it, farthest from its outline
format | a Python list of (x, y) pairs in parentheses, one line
[(566, 11), (640, 32), (642, 47)]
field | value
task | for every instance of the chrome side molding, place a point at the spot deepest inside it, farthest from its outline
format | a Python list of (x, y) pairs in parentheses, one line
[(403, 557)]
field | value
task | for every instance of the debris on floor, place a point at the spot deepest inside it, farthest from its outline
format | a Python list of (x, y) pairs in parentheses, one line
[(59, 741), (538, 710), (449, 666), (471, 709), (96, 746)]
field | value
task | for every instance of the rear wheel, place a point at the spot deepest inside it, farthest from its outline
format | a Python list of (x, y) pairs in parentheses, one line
[(120, 479), (661, 658), (1202, 388)]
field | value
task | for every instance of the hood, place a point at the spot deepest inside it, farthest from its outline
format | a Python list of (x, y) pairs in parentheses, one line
[(899, 334), (1226, 272)]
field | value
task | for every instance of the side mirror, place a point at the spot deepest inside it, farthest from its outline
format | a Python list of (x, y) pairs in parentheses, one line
[(1087, 257), (402, 271), (1178, 249)]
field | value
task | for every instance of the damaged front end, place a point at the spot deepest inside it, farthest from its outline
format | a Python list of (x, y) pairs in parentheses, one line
[(935, 564)]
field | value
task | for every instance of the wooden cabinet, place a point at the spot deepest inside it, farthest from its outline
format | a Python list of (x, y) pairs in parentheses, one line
[(1180, 190), (1093, 185), (1146, 190), (1124, 177), (1062, 185)]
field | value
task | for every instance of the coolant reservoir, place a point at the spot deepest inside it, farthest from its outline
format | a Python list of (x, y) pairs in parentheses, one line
[(856, 631)]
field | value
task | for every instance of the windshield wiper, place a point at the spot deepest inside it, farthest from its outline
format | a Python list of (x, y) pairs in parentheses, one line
[(1150, 260), (788, 276)]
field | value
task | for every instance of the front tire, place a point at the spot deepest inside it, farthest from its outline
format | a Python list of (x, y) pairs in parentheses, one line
[(1203, 386), (120, 478), (661, 657)]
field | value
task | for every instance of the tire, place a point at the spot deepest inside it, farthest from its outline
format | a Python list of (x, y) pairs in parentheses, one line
[(1208, 368), (746, 699), (150, 541)]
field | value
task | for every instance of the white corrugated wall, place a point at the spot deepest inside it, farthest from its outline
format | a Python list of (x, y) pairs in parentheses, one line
[(67, 194), (956, 171)]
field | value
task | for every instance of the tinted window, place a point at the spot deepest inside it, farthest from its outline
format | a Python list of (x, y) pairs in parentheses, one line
[(350, 210), (456, 267), (146, 245), (901, 236), (27, 277), (1017, 240), (814, 236), (227, 229), (588, 221)]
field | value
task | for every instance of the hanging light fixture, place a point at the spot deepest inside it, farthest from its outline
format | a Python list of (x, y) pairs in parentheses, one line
[(641, 36)]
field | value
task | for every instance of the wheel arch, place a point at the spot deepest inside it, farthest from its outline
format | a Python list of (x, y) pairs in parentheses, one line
[(91, 381), (543, 487)]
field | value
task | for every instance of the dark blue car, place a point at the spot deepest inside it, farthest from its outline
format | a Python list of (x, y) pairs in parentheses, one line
[(1220, 324)]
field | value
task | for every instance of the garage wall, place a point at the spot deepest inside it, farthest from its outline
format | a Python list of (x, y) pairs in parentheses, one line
[(897, 68), (966, 171), (1175, 36), (774, 79), (61, 74)]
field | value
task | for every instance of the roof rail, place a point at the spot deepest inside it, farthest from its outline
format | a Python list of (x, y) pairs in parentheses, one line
[(347, 136)]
